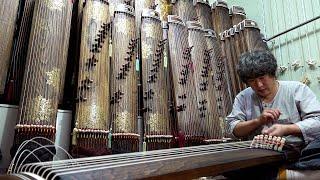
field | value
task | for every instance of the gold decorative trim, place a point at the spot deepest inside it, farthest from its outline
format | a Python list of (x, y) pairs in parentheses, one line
[(154, 122), (53, 78), (122, 122), (42, 110), (124, 26), (146, 50), (54, 4), (91, 117), (148, 29)]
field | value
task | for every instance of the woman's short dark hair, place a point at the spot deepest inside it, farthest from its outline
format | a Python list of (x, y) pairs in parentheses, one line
[(255, 64)]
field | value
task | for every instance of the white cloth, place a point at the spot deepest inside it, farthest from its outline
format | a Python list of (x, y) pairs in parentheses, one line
[(302, 175)]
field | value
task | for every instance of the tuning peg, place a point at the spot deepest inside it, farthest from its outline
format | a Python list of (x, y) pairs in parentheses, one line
[(181, 108), (311, 63), (296, 64), (282, 69)]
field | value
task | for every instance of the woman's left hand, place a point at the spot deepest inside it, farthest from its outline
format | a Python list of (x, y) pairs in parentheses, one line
[(276, 130)]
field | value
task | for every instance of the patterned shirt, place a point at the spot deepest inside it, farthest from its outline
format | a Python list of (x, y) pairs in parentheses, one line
[(296, 102)]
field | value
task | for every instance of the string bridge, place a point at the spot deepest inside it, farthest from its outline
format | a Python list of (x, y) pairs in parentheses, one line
[(148, 94), (92, 61), (81, 98), (184, 96), (152, 78), (117, 96), (162, 43), (203, 102), (181, 108), (182, 81)]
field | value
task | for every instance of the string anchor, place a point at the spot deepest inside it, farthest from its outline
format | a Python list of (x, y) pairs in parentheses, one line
[(306, 80), (282, 69), (295, 64), (311, 63)]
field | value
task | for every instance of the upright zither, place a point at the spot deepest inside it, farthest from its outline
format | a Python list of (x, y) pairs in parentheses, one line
[(208, 122), (220, 16), (92, 119), (251, 36), (218, 75), (185, 10), (124, 95), (44, 70), (155, 97), (8, 16), (164, 8), (203, 10), (184, 86)]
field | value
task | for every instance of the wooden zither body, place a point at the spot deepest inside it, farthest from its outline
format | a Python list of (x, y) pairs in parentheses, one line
[(220, 16), (238, 49), (182, 163), (44, 70), (124, 81), (113, 4), (92, 117), (218, 74), (237, 14), (203, 10), (155, 98), (185, 10), (251, 36), (8, 15), (184, 86), (168, 75), (164, 8), (208, 122), (233, 57), (19, 54), (138, 8), (226, 48)]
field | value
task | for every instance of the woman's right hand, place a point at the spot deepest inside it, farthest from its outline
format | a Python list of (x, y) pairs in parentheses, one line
[(269, 116)]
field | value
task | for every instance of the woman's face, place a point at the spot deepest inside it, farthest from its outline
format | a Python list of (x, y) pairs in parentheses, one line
[(264, 85)]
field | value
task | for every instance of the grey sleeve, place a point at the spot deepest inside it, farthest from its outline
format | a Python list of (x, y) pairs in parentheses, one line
[(309, 108), (237, 115)]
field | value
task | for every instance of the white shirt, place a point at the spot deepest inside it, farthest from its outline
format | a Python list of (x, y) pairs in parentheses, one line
[(296, 102)]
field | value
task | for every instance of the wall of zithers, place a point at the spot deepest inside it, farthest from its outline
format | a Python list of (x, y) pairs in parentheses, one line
[(145, 77)]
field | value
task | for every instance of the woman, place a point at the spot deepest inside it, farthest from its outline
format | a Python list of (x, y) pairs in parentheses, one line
[(269, 106), (276, 108)]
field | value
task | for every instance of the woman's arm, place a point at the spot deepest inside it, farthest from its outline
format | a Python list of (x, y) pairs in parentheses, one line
[(247, 127)]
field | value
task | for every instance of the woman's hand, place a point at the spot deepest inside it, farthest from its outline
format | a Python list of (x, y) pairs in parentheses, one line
[(269, 116), (282, 130), (276, 130)]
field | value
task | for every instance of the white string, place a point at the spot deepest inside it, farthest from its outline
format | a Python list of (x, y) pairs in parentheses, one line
[(28, 151), (33, 140), (113, 164), (24, 144), (107, 160), (31, 153), (152, 154)]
